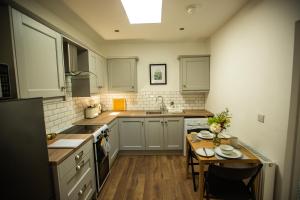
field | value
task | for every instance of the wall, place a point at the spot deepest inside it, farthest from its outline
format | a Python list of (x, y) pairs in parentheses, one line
[(151, 53), (61, 112), (251, 72), (146, 100)]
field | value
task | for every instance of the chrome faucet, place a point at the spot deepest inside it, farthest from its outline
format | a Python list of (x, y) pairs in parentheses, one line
[(162, 105)]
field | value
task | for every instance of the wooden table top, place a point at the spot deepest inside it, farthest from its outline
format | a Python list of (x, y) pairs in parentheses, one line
[(250, 157), (56, 156)]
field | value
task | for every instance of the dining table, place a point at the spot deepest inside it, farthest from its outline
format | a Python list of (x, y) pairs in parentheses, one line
[(247, 157)]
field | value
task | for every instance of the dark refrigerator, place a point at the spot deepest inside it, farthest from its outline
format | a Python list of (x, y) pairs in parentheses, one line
[(25, 171)]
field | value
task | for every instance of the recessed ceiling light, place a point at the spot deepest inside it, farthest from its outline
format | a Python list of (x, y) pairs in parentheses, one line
[(117, 30), (143, 11), (181, 29)]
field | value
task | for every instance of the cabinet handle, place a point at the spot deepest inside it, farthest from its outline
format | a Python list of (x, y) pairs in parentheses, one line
[(166, 123), (79, 167), (62, 88), (132, 87), (142, 123), (184, 86), (82, 190), (100, 86), (78, 156)]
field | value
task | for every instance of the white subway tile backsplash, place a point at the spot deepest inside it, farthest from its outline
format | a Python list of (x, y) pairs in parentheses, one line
[(61, 112), (146, 100)]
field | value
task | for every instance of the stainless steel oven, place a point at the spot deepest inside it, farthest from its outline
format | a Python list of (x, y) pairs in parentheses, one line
[(101, 149)]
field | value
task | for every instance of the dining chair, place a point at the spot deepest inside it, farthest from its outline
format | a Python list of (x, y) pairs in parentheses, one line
[(230, 183), (191, 163)]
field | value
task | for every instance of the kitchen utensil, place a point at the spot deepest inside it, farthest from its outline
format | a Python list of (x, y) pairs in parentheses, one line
[(119, 104), (226, 149), (205, 152), (91, 112), (205, 136), (235, 153)]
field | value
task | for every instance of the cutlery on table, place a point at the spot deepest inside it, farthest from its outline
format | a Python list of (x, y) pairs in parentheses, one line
[(205, 151)]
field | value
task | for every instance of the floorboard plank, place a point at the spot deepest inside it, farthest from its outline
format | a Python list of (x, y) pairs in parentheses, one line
[(148, 177)]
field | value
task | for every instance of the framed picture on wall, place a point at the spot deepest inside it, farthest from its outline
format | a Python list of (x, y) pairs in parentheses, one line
[(158, 74)]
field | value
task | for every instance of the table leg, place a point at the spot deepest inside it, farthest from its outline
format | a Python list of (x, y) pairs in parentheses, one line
[(187, 146), (201, 180)]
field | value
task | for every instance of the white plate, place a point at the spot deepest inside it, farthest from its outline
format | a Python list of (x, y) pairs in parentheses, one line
[(204, 131), (209, 152), (205, 136), (224, 136), (235, 153)]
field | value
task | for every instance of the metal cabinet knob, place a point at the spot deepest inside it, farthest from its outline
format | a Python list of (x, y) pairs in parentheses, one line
[(62, 88), (78, 167)]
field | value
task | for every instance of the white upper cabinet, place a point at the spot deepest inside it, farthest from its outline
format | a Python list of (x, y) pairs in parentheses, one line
[(98, 73), (194, 74), (122, 74), (39, 58), (101, 72), (93, 72)]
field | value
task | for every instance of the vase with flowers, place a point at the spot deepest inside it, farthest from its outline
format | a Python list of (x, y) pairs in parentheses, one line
[(218, 123)]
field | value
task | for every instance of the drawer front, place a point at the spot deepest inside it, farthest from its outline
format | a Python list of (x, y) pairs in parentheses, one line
[(75, 174), (84, 189), (74, 159)]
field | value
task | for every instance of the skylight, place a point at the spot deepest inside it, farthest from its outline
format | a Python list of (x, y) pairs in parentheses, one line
[(143, 11)]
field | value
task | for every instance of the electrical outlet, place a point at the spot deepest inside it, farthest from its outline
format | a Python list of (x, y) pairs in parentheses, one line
[(261, 118)]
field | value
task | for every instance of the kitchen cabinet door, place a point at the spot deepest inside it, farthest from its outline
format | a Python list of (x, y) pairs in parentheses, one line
[(101, 73), (39, 58), (194, 74), (114, 141), (173, 133), (93, 72), (122, 74), (132, 135), (154, 133)]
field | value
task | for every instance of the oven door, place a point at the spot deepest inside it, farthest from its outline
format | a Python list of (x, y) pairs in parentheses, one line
[(102, 162)]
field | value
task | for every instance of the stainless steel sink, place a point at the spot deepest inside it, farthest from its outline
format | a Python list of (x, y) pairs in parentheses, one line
[(153, 112)]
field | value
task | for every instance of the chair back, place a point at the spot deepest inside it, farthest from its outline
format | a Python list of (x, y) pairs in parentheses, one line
[(234, 174)]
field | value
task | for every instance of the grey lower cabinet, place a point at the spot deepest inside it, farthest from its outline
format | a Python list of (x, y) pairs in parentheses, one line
[(39, 58), (194, 74), (173, 133), (132, 133), (164, 133), (122, 74), (74, 178), (114, 141), (154, 133)]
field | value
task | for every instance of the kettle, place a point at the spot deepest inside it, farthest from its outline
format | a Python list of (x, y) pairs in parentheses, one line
[(92, 111)]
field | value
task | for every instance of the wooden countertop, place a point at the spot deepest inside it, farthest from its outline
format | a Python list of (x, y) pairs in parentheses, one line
[(56, 156), (109, 116)]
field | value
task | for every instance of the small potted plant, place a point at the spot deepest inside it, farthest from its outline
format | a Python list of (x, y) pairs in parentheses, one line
[(218, 123)]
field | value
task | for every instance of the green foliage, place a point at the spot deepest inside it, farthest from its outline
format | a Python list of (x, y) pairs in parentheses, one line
[(222, 118)]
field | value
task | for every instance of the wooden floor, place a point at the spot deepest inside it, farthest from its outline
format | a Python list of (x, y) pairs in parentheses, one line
[(148, 177)]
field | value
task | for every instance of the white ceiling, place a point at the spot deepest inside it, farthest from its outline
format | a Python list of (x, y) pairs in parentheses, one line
[(104, 16)]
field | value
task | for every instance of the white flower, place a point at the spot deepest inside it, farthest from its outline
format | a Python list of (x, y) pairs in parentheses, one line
[(215, 128)]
